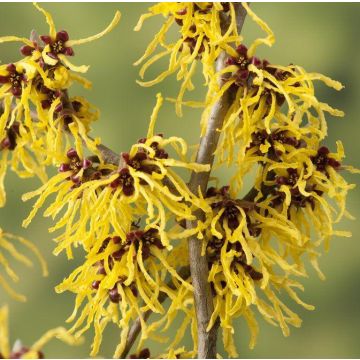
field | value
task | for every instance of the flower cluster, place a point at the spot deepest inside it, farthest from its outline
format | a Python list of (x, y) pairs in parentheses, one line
[(261, 91), (243, 262), (122, 280), (37, 117), (130, 214), (19, 351), (122, 215), (202, 38), (143, 185)]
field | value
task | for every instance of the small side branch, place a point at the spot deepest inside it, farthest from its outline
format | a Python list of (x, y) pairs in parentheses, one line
[(135, 329), (109, 156)]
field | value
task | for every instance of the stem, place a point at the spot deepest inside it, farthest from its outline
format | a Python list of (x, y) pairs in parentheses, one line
[(198, 182), (109, 156), (265, 190), (135, 329)]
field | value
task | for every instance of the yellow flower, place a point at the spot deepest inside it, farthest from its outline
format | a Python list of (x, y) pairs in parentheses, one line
[(32, 139), (57, 45), (14, 150), (253, 252), (260, 91), (144, 185), (20, 351), (122, 280), (7, 248), (288, 217), (201, 39), (67, 121), (181, 309), (306, 189), (102, 207)]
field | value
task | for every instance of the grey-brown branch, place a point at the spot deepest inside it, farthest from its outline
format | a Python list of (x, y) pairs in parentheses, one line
[(199, 182)]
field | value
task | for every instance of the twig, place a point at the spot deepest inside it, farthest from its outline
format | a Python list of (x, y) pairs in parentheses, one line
[(135, 329), (198, 182), (109, 156), (265, 190)]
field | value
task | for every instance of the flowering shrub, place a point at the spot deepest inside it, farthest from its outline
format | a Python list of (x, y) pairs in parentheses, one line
[(148, 234)]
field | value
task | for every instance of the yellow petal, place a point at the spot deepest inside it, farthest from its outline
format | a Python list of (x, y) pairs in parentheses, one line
[(49, 20), (66, 62), (111, 26), (4, 39)]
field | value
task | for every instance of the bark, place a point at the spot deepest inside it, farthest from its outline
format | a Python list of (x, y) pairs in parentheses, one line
[(198, 182)]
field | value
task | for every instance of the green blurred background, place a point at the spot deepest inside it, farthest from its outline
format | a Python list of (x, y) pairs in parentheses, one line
[(320, 37)]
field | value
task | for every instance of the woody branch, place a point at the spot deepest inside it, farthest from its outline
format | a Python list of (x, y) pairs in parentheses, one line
[(198, 182)]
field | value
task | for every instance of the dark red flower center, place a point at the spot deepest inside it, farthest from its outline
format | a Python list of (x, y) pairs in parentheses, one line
[(214, 250), (15, 79), (322, 159), (147, 238), (9, 142), (58, 45)]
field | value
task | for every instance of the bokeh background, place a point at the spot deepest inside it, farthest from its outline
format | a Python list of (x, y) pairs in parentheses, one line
[(321, 37)]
